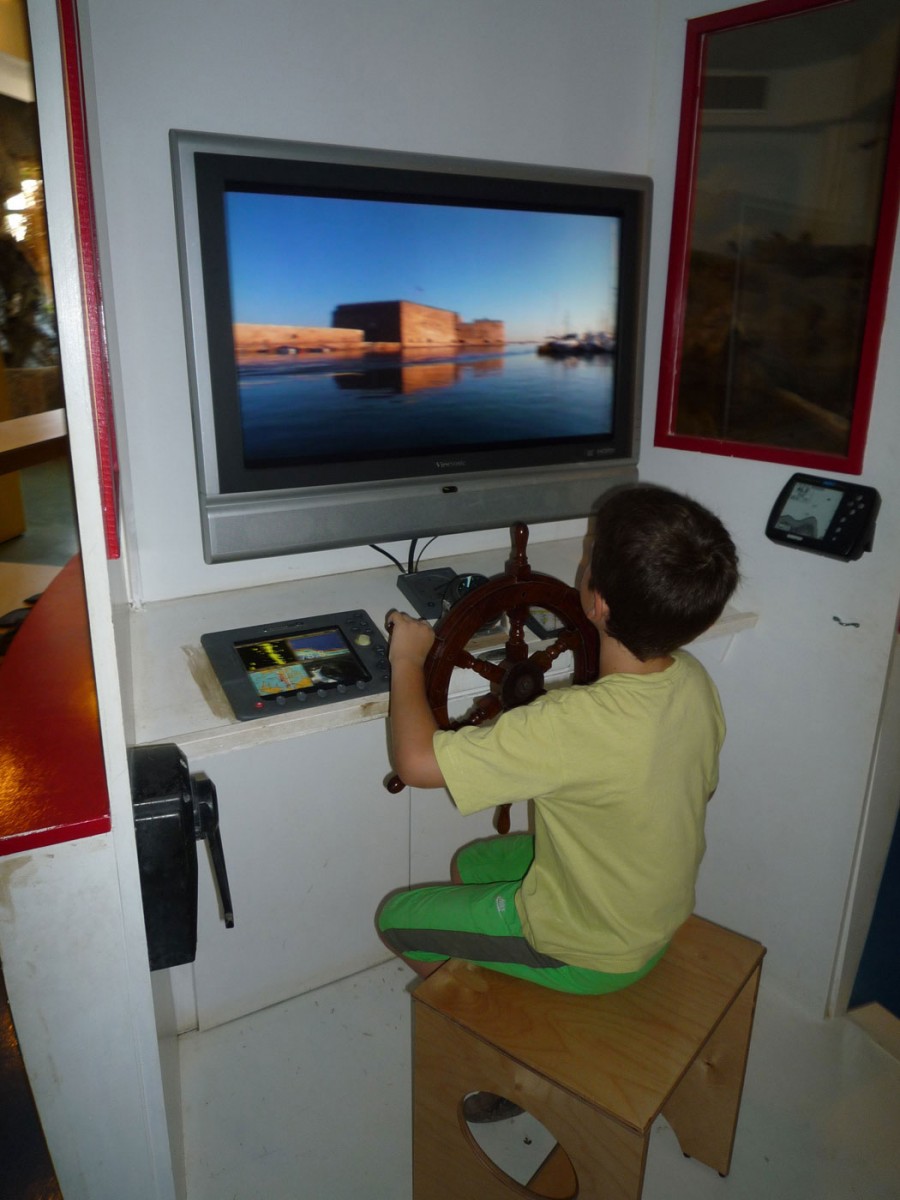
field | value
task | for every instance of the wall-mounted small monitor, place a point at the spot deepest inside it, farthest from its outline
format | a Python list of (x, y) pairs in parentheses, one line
[(387, 345)]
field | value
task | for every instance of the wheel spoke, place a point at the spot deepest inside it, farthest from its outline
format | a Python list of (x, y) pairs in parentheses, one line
[(567, 640), (516, 648), (484, 709), (491, 671)]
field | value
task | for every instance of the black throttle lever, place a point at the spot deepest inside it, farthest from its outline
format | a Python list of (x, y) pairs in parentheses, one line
[(206, 828)]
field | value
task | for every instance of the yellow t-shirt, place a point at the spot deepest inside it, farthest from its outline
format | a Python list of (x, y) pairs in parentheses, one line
[(620, 772)]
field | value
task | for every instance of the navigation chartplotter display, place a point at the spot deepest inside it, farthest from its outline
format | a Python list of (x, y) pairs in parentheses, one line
[(266, 669), (809, 510), (833, 517)]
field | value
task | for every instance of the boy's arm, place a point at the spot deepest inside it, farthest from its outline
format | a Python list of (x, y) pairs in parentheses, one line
[(412, 722)]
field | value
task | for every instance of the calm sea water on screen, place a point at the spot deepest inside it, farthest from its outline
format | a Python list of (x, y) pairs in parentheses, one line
[(335, 407)]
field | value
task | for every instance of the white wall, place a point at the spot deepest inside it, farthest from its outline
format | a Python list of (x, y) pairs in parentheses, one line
[(802, 693), (512, 79), (594, 83)]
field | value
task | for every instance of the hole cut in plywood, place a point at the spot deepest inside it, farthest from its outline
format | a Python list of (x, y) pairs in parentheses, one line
[(517, 1147)]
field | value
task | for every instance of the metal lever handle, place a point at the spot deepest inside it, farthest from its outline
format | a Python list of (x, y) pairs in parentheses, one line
[(206, 827)]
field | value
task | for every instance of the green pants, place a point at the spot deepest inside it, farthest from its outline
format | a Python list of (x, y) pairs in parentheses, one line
[(477, 920)]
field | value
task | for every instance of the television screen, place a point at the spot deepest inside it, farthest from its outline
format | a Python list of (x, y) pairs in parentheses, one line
[(366, 329), (374, 336)]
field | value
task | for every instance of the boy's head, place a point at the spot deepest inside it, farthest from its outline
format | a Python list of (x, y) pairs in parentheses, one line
[(664, 565)]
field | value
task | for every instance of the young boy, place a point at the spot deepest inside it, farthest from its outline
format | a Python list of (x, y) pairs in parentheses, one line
[(620, 770)]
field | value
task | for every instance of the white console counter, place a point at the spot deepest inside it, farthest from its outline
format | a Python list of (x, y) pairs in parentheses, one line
[(177, 696)]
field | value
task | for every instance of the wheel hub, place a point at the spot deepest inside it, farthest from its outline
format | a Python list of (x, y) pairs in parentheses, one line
[(522, 683)]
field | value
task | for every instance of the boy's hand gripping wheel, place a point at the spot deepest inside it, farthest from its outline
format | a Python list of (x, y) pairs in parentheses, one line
[(519, 677)]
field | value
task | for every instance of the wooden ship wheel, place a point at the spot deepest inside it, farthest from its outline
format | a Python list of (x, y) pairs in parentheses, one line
[(519, 676)]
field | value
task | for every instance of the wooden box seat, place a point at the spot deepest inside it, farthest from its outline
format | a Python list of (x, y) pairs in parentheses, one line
[(595, 1071)]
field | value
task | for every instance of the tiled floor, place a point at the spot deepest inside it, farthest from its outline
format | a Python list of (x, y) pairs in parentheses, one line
[(311, 1098), (18, 581), (30, 561)]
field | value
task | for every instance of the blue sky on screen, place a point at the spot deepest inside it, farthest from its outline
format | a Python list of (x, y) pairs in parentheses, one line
[(293, 259)]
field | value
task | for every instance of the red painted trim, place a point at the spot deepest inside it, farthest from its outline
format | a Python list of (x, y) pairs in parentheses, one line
[(34, 839), (751, 14), (882, 261), (680, 250), (807, 460), (680, 244), (52, 773), (86, 230)]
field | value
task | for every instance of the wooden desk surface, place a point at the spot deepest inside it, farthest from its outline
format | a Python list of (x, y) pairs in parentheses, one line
[(25, 441)]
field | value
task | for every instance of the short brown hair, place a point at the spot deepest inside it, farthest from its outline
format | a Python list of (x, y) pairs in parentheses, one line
[(664, 565)]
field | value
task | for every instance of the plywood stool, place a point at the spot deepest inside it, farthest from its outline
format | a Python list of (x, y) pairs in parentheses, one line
[(596, 1071)]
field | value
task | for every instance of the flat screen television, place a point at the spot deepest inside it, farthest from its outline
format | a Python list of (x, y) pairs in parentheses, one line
[(386, 345)]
